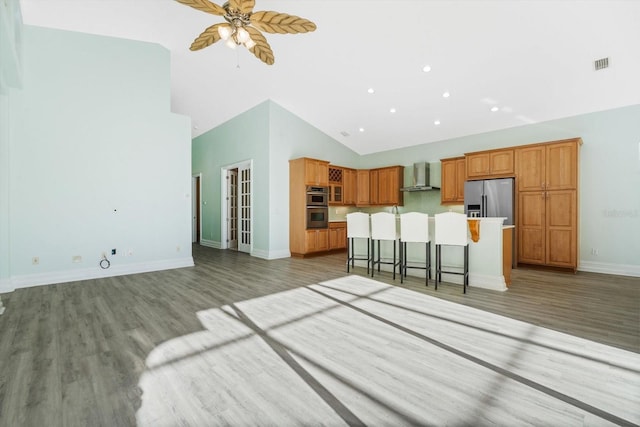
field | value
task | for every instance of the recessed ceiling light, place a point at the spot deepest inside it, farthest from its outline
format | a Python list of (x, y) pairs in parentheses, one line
[(446, 95), (370, 90), (426, 68), (437, 122), (361, 129), (494, 109), (392, 110)]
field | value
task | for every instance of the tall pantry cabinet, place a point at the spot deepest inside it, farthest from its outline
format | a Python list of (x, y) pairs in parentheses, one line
[(547, 183), (302, 172)]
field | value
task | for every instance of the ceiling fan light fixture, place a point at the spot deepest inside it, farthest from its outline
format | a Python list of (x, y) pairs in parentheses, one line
[(242, 35), (224, 32), (231, 43), (249, 44)]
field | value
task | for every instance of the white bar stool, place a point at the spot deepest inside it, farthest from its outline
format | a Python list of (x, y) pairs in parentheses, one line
[(451, 230), (358, 227), (383, 227), (414, 228)]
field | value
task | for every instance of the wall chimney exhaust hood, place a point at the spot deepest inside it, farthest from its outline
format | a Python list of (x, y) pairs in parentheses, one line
[(420, 178)]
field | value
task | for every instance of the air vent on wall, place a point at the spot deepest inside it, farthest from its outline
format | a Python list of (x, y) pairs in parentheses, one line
[(600, 64)]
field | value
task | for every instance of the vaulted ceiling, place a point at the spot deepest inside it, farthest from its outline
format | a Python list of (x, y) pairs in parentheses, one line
[(502, 63)]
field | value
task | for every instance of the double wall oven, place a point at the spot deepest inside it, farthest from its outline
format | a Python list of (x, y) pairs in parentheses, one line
[(317, 207)]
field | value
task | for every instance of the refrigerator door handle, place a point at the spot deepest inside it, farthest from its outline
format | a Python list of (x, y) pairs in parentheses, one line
[(484, 205)]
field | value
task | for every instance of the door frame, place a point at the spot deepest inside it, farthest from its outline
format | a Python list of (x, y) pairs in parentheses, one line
[(196, 208), (246, 164)]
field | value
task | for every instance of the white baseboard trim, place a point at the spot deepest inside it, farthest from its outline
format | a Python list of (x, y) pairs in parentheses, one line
[(51, 278), (269, 255), (495, 283), (211, 244), (608, 268)]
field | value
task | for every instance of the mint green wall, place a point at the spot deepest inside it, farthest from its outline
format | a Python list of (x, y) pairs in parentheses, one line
[(609, 178), (270, 136), (240, 139), (10, 79), (4, 189), (97, 161)]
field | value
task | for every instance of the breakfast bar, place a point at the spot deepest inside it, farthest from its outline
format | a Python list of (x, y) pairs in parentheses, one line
[(490, 257)]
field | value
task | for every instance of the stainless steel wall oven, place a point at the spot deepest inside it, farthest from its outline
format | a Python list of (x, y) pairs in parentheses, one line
[(317, 207), (317, 196)]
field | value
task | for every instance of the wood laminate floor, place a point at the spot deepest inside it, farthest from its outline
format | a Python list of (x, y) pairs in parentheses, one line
[(238, 340)]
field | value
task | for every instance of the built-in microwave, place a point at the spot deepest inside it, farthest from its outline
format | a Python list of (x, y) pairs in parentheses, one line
[(317, 196), (317, 217)]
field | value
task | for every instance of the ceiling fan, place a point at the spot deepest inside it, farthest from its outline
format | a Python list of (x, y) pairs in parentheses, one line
[(243, 26)]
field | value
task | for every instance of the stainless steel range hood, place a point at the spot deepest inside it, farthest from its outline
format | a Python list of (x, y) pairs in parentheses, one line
[(420, 178)]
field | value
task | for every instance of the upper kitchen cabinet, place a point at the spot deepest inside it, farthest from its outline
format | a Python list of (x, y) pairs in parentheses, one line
[(490, 164), (342, 185), (316, 172), (374, 183), (390, 181), (363, 198), (380, 187), (453, 174), (336, 185), (349, 179), (548, 166)]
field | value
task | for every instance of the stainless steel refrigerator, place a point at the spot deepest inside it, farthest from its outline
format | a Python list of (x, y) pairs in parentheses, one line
[(490, 198)]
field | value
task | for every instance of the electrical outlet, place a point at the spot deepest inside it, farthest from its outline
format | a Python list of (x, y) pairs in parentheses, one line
[(35, 260), (595, 251)]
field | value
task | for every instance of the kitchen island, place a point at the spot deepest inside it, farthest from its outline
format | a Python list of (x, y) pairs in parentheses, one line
[(490, 257)]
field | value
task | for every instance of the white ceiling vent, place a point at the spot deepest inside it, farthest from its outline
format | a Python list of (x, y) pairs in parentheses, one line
[(600, 64)]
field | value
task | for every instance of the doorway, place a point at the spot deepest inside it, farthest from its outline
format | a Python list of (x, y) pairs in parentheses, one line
[(196, 205), (237, 202)]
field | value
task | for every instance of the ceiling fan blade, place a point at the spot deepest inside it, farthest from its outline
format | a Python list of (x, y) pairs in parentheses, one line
[(246, 6), (261, 50), (205, 6), (283, 23), (208, 37), (235, 4)]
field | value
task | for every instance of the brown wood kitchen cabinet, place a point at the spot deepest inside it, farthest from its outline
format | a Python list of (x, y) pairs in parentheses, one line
[(453, 174), (317, 240), (374, 184), (549, 166), (301, 240), (349, 189), (547, 227), (336, 185), (338, 235), (316, 172), (362, 188), (390, 181), (490, 164)]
